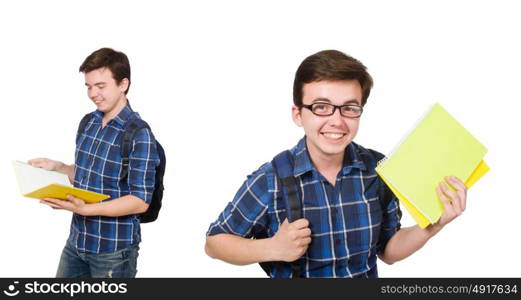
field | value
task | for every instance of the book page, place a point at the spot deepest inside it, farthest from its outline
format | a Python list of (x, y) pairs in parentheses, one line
[(31, 178)]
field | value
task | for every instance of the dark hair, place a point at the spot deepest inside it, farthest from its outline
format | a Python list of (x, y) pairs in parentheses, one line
[(330, 65), (115, 61)]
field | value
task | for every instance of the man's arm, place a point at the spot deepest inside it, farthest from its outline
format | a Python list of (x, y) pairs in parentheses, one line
[(288, 244), (409, 240), (54, 165), (238, 250), (122, 206)]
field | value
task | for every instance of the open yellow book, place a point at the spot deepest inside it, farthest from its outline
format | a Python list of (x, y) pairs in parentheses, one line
[(438, 146), (39, 183)]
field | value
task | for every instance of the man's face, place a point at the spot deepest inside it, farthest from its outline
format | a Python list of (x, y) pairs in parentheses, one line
[(103, 90), (328, 136)]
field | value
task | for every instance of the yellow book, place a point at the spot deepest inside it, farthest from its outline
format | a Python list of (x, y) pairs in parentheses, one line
[(481, 170), (39, 183), (438, 146)]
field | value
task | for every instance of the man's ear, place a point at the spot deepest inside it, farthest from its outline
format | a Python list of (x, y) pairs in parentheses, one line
[(123, 85), (296, 115)]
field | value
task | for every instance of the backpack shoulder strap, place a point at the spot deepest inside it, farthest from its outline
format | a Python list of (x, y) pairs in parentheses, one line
[(83, 123), (283, 165), (132, 126)]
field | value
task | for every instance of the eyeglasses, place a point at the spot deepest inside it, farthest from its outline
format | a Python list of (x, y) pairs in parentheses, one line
[(327, 109)]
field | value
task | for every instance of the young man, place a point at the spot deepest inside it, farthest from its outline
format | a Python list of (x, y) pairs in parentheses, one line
[(345, 224), (104, 237)]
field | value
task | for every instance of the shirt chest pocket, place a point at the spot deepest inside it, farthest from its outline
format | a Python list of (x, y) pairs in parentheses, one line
[(112, 166)]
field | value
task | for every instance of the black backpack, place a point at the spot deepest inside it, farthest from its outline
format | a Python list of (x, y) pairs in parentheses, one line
[(132, 126), (283, 165)]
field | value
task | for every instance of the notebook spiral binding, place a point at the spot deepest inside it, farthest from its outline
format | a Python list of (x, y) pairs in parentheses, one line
[(381, 161)]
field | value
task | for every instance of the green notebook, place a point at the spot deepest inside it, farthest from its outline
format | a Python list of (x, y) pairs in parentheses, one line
[(438, 146)]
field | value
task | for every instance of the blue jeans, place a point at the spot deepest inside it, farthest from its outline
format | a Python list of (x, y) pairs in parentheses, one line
[(119, 264)]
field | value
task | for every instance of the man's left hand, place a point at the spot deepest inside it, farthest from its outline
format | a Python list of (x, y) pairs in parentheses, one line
[(454, 202), (73, 204)]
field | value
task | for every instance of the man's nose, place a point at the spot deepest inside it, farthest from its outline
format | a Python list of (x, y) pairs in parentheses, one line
[(93, 92), (336, 116)]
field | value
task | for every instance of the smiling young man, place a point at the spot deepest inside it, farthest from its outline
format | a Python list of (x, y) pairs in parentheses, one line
[(104, 237), (349, 217)]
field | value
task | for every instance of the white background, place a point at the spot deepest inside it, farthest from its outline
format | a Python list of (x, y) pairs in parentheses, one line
[(214, 80)]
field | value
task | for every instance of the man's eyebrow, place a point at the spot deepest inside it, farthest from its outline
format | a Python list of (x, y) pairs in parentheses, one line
[(351, 101), (97, 83), (321, 100)]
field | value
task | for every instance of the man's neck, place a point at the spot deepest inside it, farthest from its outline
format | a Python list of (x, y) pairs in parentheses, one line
[(115, 111), (327, 165)]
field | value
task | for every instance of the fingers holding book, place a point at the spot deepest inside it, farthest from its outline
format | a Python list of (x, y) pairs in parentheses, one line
[(453, 195), (72, 203)]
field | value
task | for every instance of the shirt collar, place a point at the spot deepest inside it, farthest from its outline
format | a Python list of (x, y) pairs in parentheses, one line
[(303, 164), (120, 118), (352, 159)]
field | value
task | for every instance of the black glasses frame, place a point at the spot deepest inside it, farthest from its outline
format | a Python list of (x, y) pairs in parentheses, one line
[(310, 107)]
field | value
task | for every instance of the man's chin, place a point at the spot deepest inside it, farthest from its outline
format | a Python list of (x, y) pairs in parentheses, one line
[(333, 150), (102, 108), (335, 147), (328, 149)]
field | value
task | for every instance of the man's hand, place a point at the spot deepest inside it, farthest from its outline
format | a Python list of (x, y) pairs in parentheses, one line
[(73, 204), (408, 240), (291, 241), (454, 202), (47, 164), (54, 165)]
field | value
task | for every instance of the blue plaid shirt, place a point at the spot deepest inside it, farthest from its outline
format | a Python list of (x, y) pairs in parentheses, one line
[(98, 168), (349, 227)]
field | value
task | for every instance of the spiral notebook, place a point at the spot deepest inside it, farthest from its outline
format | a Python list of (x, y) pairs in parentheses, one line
[(438, 146)]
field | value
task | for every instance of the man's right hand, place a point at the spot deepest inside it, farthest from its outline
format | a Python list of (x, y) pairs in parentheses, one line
[(47, 164), (291, 241)]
